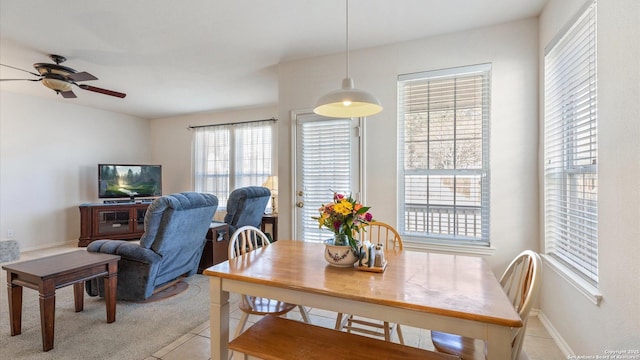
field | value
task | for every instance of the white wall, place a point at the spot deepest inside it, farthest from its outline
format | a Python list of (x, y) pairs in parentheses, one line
[(49, 152), (511, 48), (588, 329)]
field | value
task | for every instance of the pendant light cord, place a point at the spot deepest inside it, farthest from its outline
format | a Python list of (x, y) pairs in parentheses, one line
[(347, 35)]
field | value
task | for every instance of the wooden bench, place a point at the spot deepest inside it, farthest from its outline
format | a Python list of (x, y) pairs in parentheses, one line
[(276, 338)]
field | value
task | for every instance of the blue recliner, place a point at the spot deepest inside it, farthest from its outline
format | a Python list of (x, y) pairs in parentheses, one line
[(246, 206), (175, 227)]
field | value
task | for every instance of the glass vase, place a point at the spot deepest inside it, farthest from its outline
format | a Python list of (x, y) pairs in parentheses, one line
[(340, 239)]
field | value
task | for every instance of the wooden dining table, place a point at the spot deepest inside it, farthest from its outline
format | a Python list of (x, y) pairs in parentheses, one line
[(444, 292)]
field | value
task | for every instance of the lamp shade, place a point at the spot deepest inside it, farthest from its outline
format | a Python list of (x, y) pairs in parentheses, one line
[(347, 102), (272, 184)]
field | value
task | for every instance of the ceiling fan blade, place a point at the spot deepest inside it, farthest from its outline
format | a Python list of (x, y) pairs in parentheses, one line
[(27, 71), (102, 91), (20, 79), (81, 76), (67, 94)]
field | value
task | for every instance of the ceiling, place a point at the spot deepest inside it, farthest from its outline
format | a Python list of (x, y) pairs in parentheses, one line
[(173, 58)]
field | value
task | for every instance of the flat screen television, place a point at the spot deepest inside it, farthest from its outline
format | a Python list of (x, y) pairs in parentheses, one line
[(129, 181)]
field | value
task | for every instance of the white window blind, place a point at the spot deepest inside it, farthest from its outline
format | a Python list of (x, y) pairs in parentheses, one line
[(570, 149), (444, 155), (230, 156), (326, 161)]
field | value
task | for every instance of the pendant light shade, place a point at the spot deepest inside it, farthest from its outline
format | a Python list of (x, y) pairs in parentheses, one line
[(347, 101)]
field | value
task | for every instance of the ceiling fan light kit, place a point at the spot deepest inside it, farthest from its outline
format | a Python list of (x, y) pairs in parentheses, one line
[(60, 78), (56, 84), (348, 101)]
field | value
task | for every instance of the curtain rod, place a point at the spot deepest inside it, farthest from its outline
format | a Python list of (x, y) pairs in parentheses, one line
[(234, 123)]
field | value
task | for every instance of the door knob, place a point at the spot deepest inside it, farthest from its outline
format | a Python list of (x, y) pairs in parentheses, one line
[(300, 193), (300, 204)]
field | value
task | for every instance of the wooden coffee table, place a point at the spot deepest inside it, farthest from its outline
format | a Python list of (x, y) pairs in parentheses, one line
[(53, 272)]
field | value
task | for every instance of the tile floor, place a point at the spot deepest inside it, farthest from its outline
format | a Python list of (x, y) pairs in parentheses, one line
[(538, 344)]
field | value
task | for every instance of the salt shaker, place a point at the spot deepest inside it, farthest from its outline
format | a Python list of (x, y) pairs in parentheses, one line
[(379, 259)]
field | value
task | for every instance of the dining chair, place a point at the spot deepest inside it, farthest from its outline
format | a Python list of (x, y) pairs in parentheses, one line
[(244, 240), (377, 233), (521, 283)]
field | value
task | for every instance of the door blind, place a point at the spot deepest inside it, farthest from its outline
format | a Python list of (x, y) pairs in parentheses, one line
[(326, 162), (570, 169)]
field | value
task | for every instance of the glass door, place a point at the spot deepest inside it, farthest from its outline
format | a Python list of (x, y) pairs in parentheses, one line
[(327, 159), (112, 221)]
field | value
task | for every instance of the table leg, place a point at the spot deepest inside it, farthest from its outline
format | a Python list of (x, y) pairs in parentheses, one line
[(47, 313), (78, 295), (111, 289), (498, 342), (219, 320), (15, 306)]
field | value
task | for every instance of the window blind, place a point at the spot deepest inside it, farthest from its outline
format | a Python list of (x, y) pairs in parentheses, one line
[(443, 154), (326, 159), (570, 149)]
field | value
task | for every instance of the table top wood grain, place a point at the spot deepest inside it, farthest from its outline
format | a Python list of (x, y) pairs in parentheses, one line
[(55, 265), (443, 284)]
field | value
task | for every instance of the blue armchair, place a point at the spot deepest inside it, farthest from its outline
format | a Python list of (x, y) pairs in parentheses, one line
[(246, 206), (175, 227)]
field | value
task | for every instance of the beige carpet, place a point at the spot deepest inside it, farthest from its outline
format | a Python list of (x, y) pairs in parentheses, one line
[(139, 330)]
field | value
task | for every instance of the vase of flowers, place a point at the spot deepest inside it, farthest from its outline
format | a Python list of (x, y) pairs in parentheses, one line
[(345, 217)]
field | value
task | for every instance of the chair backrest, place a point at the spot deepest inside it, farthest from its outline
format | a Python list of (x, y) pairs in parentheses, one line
[(521, 282), (246, 239), (175, 227), (381, 233), (246, 206)]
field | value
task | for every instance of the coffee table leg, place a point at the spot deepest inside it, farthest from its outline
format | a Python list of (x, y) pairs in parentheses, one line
[(110, 289), (78, 295), (15, 306), (47, 313)]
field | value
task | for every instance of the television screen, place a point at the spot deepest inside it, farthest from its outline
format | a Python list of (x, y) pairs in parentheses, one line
[(119, 181)]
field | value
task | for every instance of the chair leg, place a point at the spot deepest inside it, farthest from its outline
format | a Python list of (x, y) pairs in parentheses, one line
[(400, 337), (339, 321), (387, 333), (241, 324), (305, 314), (349, 323)]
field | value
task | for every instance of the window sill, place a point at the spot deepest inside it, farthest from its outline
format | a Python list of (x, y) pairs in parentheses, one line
[(583, 287), (410, 244)]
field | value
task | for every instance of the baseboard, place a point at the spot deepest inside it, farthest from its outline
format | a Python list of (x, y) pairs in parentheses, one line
[(555, 335), (49, 246)]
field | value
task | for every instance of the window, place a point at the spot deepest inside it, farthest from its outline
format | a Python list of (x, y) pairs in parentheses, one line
[(230, 156), (443, 119), (570, 148)]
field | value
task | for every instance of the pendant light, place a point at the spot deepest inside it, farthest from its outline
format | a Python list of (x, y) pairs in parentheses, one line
[(347, 101)]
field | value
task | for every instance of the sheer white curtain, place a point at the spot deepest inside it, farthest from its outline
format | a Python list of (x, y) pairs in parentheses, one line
[(211, 163), (230, 156)]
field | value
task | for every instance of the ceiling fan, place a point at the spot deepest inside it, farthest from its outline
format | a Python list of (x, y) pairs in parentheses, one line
[(60, 78)]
